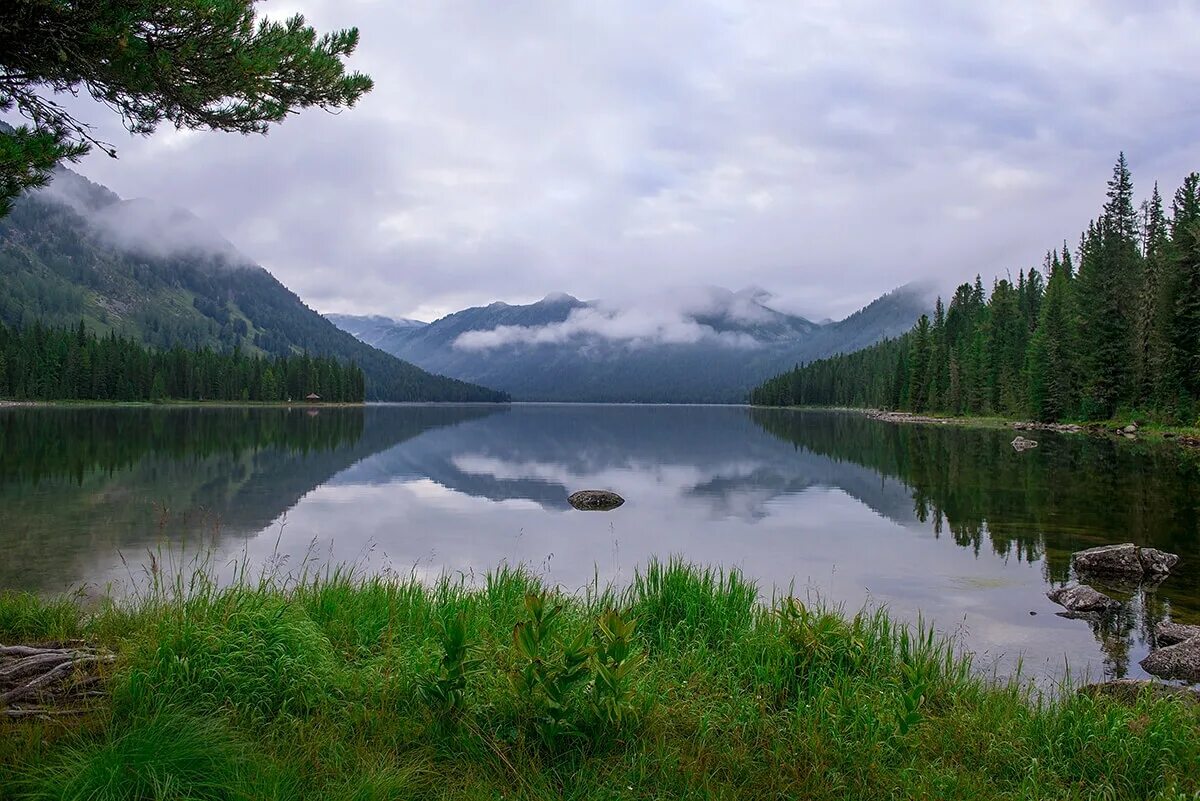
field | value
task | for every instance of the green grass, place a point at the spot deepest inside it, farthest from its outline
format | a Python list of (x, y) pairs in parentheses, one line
[(349, 687)]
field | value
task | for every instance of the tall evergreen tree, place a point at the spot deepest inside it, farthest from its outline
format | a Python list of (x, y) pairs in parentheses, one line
[(1151, 322), (1185, 252)]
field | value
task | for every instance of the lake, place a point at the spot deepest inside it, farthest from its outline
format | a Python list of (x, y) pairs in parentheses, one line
[(943, 522)]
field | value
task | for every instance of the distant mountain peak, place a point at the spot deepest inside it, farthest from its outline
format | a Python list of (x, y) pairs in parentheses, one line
[(690, 344)]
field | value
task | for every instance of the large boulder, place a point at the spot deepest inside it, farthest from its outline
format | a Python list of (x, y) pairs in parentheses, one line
[(1156, 562), (1179, 661), (1082, 599), (1125, 559), (1022, 444), (595, 500), (1167, 633), (1119, 559)]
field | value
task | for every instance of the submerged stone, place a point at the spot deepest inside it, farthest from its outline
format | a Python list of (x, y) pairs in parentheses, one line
[(595, 500), (1080, 598), (1022, 444)]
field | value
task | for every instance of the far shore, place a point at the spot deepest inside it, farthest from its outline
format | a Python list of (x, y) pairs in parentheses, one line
[(1188, 436), (42, 404)]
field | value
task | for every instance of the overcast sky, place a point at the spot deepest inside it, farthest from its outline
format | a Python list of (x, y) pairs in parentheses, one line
[(825, 151)]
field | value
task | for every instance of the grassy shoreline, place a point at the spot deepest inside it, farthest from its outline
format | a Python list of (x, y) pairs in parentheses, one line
[(361, 687)]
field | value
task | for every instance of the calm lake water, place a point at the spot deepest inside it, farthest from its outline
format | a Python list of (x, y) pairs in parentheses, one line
[(945, 522)]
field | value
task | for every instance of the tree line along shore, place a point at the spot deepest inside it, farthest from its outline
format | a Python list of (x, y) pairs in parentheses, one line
[(50, 363), (1111, 332)]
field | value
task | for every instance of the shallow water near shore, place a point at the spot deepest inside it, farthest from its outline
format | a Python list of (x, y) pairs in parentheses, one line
[(944, 522)]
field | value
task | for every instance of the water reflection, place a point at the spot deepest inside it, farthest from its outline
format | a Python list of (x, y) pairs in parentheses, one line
[(841, 506), (82, 489)]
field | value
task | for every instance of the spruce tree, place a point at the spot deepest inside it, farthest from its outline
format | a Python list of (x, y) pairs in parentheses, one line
[(1152, 322), (1107, 276), (203, 64), (918, 395), (1185, 252)]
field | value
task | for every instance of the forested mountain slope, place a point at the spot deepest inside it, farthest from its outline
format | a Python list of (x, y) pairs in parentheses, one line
[(75, 250)]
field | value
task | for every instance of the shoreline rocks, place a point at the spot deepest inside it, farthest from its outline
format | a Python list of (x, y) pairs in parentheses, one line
[(595, 500), (905, 417), (1061, 428), (1179, 661), (1128, 691), (1167, 633)]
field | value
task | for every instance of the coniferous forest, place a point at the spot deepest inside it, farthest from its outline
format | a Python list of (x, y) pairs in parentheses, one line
[(56, 363), (1110, 329)]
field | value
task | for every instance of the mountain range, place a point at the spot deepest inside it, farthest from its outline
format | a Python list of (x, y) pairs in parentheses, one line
[(74, 250), (700, 345)]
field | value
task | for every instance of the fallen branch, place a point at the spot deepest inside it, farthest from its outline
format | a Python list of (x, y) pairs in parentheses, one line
[(40, 681), (29, 650), (44, 713), (28, 670)]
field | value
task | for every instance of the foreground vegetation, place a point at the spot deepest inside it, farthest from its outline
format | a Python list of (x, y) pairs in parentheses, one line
[(680, 686), (1114, 332)]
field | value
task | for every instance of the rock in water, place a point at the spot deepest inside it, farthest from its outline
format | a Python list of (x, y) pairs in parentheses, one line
[(1125, 559), (1080, 598), (1122, 559), (595, 500), (1022, 444), (1156, 562), (1166, 633), (1179, 661)]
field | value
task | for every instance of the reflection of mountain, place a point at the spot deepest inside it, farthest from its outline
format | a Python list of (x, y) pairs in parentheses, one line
[(123, 479), (716, 456)]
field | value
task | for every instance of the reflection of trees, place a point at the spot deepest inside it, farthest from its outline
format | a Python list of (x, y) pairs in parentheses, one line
[(76, 483), (56, 443), (1071, 493)]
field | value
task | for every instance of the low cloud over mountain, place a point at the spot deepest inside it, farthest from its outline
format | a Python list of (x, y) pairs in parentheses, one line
[(698, 344)]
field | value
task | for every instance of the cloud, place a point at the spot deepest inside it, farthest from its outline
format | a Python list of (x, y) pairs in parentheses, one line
[(140, 226), (683, 316), (827, 151)]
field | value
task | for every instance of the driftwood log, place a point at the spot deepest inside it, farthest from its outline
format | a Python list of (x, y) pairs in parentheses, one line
[(48, 680)]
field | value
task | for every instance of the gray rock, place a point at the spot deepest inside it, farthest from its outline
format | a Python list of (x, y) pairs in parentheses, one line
[(1130, 429), (1128, 691), (1157, 562), (595, 500), (1080, 598), (1167, 633), (1022, 444), (1179, 661), (1120, 559)]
